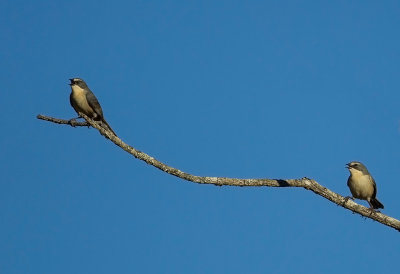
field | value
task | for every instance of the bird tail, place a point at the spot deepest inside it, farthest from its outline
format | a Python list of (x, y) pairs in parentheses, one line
[(107, 126), (376, 204)]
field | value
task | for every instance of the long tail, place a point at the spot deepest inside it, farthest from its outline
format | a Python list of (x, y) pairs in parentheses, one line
[(107, 126), (376, 204)]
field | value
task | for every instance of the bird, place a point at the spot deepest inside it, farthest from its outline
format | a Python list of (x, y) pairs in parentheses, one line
[(83, 100), (362, 185)]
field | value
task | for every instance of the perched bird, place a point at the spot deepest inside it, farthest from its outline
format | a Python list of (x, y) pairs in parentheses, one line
[(83, 100), (362, 185)]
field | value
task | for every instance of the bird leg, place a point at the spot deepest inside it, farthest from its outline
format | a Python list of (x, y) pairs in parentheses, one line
[(372, 208)]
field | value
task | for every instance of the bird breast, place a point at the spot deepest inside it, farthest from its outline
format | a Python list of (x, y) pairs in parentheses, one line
[(80, 102), (361, 186)]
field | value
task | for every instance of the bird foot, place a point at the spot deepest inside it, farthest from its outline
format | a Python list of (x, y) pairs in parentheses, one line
[(73, 122), (373, 210), (347, 198)]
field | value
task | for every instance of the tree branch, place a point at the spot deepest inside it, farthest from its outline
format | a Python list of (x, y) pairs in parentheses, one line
[(71, 122), (306, 183)]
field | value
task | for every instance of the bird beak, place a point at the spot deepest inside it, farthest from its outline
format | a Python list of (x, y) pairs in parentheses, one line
[(347, 166), (72, 82)]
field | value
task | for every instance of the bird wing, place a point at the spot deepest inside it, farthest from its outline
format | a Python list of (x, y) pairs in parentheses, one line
[(72, 102), (374, 184), (94, 103)]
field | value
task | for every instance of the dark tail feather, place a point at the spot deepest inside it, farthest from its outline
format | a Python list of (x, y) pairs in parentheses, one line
[(107, 126), (376, 204)]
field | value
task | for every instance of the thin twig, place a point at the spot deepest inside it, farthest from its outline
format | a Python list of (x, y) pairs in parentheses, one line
[(71, 122)]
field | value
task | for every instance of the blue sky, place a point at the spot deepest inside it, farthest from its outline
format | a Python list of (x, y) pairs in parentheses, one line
[(244, 89)]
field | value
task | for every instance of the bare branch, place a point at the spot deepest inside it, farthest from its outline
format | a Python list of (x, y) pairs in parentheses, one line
[(306, 183), (71, 122)]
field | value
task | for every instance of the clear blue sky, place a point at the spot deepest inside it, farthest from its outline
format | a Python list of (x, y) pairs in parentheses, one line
[(244, 89)]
